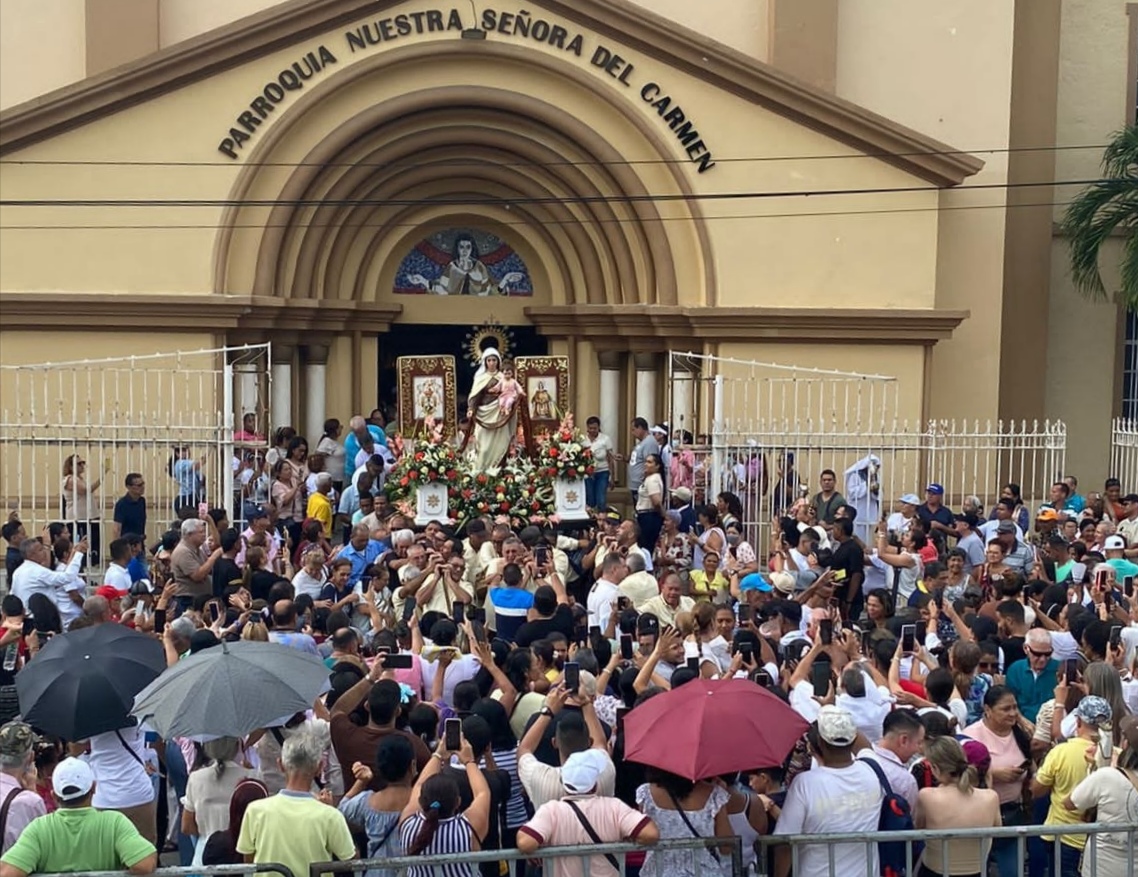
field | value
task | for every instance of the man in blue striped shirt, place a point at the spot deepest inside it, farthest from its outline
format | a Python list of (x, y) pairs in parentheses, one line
[(512, 603)]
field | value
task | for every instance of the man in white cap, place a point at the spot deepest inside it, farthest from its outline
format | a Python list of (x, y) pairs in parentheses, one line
[(77, 838), (839, 794), (898, 522), (584, 817)]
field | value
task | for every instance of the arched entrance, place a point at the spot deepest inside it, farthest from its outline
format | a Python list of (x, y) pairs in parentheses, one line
[(495, 137)]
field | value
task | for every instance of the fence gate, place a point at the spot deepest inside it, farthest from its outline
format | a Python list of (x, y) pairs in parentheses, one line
[(1124, 452), (765, 432), (120, 416)]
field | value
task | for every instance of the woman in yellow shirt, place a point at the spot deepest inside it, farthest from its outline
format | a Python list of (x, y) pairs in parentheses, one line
[(708, 582)]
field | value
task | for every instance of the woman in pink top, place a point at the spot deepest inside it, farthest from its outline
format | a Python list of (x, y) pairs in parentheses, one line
[(1009, 743)]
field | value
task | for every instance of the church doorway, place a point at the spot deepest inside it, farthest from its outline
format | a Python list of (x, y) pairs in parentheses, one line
[(457, 341)]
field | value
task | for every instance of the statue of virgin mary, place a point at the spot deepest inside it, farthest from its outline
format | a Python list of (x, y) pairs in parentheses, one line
[(492, 428)]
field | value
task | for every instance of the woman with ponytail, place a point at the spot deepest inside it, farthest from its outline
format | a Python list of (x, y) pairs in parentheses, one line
[(433, 824), (956, 802)]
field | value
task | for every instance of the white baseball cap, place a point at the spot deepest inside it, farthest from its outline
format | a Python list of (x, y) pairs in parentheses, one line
[(1114, 543), (582, 771), (72, 779)]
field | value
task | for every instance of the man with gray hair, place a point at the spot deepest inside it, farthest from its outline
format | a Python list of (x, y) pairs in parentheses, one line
[(1033, 681), (176, 639), (190, 566), (639, 585), (359, 445), (18, 780), (294, 828)]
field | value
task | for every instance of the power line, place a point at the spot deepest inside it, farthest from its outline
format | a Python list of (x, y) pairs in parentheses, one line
[(400, 164), (496, 201), (524, 223)]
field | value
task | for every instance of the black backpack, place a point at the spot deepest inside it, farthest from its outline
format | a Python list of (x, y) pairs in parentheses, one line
[(896, 815)]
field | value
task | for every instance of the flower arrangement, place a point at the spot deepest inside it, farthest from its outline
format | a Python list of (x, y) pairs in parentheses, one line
[(564, 454), (515, 492), (521, 492), (424, 460)]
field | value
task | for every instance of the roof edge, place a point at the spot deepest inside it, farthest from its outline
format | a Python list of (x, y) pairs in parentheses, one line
[(278, 26)]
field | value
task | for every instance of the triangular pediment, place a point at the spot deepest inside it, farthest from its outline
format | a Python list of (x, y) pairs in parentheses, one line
[(620, 21)]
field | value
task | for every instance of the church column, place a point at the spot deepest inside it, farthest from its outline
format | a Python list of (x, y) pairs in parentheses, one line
[(281, 397), (246, 397), (315, 376), (609, 409), (683, 397), (647, 372)]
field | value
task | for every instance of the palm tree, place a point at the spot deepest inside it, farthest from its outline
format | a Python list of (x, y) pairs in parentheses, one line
[(1106, 205)]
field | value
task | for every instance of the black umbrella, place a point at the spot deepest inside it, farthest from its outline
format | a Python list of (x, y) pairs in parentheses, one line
[(83, 683)]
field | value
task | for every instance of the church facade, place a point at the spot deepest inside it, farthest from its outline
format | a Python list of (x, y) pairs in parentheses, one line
[(597, 179)]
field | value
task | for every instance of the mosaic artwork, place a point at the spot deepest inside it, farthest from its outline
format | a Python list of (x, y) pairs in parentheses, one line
[(463, 262)]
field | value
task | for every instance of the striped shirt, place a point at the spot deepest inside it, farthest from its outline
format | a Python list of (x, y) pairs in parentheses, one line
[(506, 760), (453, 836), (511, 605)]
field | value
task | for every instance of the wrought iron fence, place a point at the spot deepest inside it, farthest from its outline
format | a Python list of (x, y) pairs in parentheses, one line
[(1124, 453), (1044, 840), (120, 416), (729, 851)]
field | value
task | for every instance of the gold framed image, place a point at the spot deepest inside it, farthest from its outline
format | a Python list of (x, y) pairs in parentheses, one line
[(545, 380), (427, 391)]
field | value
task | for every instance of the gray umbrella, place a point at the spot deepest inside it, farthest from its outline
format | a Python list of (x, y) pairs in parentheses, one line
[(231, 690)]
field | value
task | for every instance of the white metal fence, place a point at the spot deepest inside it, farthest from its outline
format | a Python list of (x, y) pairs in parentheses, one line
[(1124, 453), (768, 431), (134, 414)]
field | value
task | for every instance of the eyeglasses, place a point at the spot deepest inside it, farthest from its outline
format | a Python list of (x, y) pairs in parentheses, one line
[(1033, 652)]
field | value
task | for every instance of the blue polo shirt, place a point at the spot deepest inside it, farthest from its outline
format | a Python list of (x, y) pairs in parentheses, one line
[(352, 449), (361, 560), (1032, 691)]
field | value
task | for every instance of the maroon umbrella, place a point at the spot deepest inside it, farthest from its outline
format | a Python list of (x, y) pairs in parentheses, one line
[(710, 727)]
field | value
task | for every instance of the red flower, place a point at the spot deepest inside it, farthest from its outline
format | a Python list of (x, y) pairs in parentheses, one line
[(451, 474), (572, 473), (468, 494), (419, 455), (414, 474), (432, 475), (482, 479), (403, 481), (505, 506), (535, 506)]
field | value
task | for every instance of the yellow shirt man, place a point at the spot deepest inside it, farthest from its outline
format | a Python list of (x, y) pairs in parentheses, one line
[(320, 509), (1064, 768)]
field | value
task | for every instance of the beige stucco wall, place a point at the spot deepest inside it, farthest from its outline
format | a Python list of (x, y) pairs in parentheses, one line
[(42, 47), (183, 19), (945, 69), (794, 257), (1083, 359)]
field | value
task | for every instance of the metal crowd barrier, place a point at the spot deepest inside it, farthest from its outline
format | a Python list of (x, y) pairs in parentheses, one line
[(190, 871), (546, 855), (1020, 833)]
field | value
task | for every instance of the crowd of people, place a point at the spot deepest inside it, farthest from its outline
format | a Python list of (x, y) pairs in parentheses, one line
[(971, 669)]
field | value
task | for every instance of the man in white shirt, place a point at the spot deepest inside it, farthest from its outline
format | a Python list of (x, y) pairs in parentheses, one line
[(1005, 511), (899, 521), (574, 732), (597, 484), (605, 590), (902, 736), (837, 795), (116, 573), (455, 666), (35, 576)]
